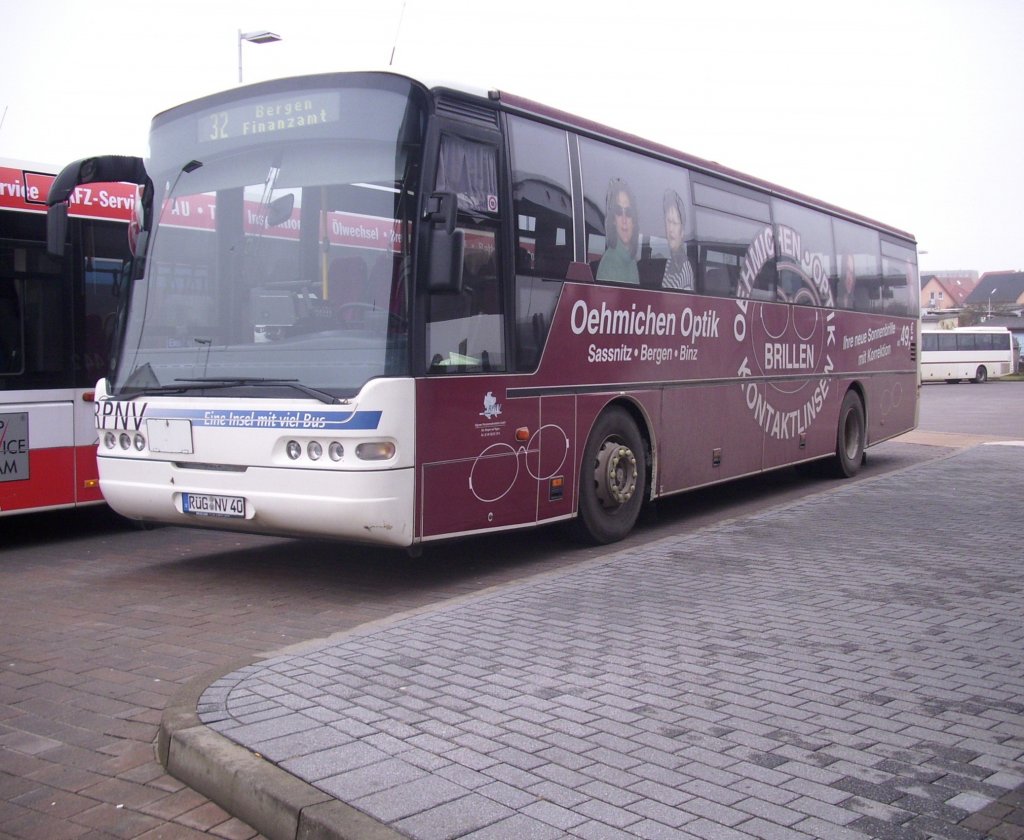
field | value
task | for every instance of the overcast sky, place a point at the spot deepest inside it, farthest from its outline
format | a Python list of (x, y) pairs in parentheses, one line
[(908, 111)]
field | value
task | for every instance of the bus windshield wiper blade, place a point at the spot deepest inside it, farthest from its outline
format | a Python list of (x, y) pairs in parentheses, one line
[(224, 382), (133, 391)]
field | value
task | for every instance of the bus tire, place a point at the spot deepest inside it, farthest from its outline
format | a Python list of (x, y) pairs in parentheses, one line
[(981, 375), (850, 436), (613, 479)]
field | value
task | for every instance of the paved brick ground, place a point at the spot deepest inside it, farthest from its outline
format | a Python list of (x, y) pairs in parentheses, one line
[(103, 626), (848, 666)]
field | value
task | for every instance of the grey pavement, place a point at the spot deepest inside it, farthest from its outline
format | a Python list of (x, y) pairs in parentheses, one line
[(850, 665)]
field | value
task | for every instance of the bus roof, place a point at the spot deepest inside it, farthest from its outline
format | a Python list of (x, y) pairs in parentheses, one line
[(974, 329)]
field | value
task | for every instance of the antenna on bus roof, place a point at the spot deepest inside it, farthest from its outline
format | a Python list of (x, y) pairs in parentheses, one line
[(398, 29)]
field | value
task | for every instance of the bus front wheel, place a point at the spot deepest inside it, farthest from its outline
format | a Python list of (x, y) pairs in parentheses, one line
[(613, 479), (981, 375), (850, 436)]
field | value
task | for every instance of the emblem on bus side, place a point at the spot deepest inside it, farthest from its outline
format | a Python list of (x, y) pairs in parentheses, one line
[(492, 408)]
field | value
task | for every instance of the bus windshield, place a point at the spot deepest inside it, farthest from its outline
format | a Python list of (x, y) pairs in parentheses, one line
[(279, 249)]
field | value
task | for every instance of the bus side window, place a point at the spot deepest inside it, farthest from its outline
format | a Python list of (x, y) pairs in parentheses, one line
[(804, 254), (734, 236), (899, 279), (718, 280), (11, 338), (542, 207), (729, 249), (859, 285)]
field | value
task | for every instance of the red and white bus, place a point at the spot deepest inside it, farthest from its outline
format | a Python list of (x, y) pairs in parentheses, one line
[(56, 328), (384, 312)]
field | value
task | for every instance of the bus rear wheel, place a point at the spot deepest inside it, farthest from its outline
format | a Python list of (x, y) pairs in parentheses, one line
[(850, 436), (981, 375), (613, 479)]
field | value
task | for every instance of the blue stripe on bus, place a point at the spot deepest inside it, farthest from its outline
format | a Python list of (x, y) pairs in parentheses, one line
[(274, 419)]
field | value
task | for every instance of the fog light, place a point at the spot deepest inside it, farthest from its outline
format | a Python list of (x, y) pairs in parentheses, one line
[(293, 449), (379, 450), (314, 450), (336, 451), (140, 443)]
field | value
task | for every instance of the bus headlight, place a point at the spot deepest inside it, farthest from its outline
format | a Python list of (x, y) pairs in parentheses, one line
[(140, 442), (314, 450), (294, 450), (110, 440), (379, 450), (336, 451), (125, 441)]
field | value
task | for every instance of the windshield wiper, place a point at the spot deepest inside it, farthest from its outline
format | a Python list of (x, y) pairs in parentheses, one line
[(133, 391), (219, 382)]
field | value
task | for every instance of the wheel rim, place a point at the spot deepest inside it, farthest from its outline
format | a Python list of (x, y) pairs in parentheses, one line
[(615, 476)]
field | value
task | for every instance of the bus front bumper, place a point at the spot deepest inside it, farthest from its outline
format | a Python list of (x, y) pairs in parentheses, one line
[(374, 507)]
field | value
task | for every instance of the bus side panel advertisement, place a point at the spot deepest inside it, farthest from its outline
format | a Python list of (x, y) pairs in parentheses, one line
[(14, 447), (741, 385)]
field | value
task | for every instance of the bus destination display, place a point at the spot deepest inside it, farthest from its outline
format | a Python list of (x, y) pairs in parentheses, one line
[(277, 115)]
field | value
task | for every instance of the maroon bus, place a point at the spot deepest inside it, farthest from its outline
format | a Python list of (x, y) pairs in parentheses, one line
[(390, 313)]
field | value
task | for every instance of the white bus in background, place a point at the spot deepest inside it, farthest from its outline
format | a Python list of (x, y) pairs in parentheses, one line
[(974, 353)]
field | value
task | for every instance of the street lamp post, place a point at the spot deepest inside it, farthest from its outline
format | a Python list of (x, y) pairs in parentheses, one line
[(990, 304), (260, 36)]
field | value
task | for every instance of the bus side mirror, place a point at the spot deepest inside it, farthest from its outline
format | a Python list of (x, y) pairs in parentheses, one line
[(445, 267), (56, 229), (446, 244)]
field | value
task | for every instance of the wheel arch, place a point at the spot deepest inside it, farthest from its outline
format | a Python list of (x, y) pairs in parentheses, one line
[(858, 388), (645, 426)]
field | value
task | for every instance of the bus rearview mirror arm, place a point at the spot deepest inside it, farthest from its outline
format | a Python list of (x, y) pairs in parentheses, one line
[(56, 229), (441, 208), (447, 245), (105, 169)]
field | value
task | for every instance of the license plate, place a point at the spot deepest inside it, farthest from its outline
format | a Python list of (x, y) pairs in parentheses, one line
[(204, 504)]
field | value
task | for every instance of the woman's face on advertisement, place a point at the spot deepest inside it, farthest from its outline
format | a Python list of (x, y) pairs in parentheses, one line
[(625, 219), (849, 273), (673, 228)]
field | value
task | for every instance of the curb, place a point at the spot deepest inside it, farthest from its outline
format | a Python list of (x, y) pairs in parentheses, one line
[(246, 785)]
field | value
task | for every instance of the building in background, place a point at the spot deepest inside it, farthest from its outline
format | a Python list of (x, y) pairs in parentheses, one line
[(941, 290), (998, 301), (998, 293)]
